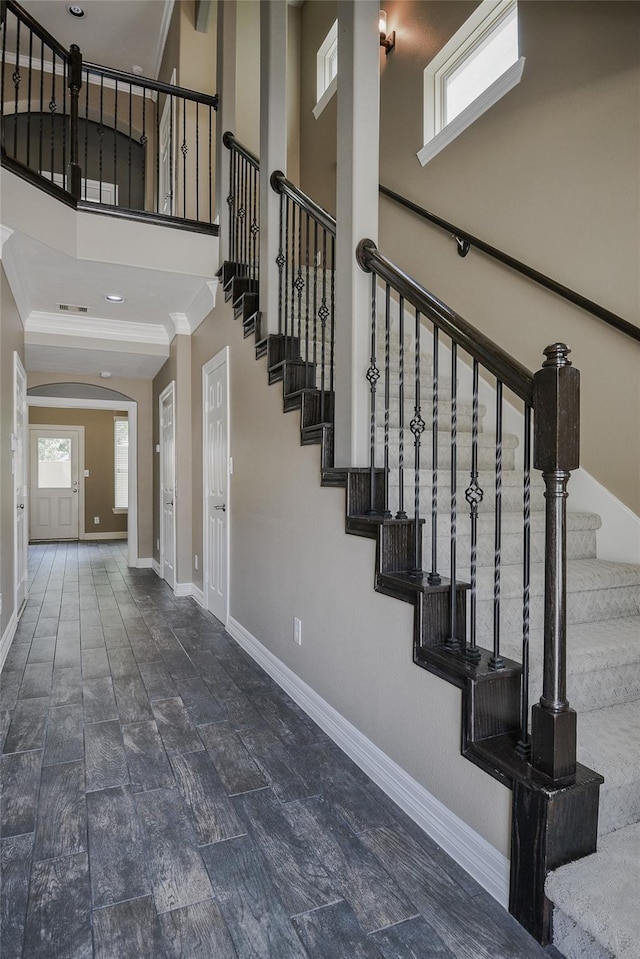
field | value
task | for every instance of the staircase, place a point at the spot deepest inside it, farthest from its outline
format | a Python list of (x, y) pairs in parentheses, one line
[(595, 915)]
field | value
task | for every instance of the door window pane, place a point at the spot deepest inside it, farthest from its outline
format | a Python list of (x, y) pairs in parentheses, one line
[(54, 462)]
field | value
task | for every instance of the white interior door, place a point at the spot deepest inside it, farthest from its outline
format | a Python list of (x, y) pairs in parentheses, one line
[(54, 482), (20, 446), (216, 464), (168, 485)]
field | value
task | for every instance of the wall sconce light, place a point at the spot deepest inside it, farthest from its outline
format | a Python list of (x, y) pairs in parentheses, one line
[(387, 40)]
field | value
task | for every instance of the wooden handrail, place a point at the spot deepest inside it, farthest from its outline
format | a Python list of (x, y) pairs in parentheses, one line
[(509, 371), (149, 84), (280, 184), (232, 144), (618, 322)]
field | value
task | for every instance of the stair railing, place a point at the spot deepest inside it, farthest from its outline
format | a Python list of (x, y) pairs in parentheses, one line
[(90, 134), (243, 201), (465, 241), (428, 333), (306, 271)]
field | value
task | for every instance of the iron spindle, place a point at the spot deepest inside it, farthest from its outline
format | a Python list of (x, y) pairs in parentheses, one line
[(524, 743), (40, 132), (130, 136), (4, 64), (184, 150), (52, 109), (373, 375), (496, 661), (280, 263), (230, 204), (64, 126), (315, 294), (434, 578), (86, 132), (417, 427), (474, 495), (29, 98), (401, 512), (115, 140), (306, 292), (197, 164), (299, 283), (286, 278), (332, 321), (255, 230), (210, 157), (143, 141), (16, 84), (453, 642), (324, 313), (386, 512), (159, 202)]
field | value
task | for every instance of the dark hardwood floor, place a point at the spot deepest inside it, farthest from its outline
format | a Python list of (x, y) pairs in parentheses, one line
[(162, 797)]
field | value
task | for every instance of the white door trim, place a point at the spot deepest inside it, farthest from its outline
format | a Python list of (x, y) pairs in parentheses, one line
[(168, 391), (37, 427), (18, 368), (131, 407), (218, 360)]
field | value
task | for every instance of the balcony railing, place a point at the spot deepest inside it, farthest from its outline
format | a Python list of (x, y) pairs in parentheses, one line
[(90, 134)]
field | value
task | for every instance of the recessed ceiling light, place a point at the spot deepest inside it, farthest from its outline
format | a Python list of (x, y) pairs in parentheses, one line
[(106, 375), (114, 298), (75, 10)]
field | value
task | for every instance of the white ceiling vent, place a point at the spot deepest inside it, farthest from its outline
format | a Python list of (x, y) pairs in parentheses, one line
[(66, 308)]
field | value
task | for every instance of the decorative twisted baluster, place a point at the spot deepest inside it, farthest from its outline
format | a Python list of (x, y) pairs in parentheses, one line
[(417, 427), (373, 375), (496, 661), (524, 742), (453, 642), (473, 495), (434, 578)]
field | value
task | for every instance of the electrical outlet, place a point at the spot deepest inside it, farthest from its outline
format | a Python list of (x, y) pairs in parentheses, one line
[(195, 563), (96, 520), (86, 473), (297, 631)]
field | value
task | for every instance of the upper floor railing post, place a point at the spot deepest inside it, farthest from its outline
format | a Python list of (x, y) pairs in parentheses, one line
[(556, 403), (75, 85)]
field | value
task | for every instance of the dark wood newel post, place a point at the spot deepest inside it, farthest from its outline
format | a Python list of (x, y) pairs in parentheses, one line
[(75, 84), (556, 401)]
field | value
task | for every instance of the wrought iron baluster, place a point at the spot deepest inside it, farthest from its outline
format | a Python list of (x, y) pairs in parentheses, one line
[(4, 64), (115, 141), (65, 185), (324, 314), (86, 132), (144, 141), (453, 641), (29, 83), (306, 295), (210, 157), (130, 136), (299, 285), (286, 276), (417, 427), (332, 322), (496, 661), (386, 512), (184, 149), (40, 131), (16, 86), (524, 743), (473, 496), (280, 264), (434, 578), (401, 514), (197, 107), (373, 375), (231, 203), (52, 109), (159, 202), (315, 294)]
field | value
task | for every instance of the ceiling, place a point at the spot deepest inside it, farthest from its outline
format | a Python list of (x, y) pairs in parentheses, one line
[(114, 33)]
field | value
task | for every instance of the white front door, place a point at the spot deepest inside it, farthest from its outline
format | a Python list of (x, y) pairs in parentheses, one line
[(216, 485), (19, 444), (168, 485), (54, 483)]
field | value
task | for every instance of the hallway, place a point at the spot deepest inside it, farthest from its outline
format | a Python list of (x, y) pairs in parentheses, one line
[(163, 798)]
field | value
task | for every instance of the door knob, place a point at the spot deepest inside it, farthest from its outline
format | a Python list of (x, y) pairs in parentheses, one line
[(223, 507), (20, 505)]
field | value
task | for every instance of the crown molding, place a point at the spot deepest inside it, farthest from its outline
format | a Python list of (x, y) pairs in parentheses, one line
[(181, 324), (14, 272), (96, 328), (203, 302), (5, 234)]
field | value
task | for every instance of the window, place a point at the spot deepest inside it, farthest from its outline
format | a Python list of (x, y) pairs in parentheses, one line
[(327, 70), (121, 462), (472, 72)]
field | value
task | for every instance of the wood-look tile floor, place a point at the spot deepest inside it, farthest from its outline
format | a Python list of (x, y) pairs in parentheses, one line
[(162, 797)]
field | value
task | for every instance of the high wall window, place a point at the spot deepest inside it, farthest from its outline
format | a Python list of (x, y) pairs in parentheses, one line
[(327, 70), (478, 65), (121, 462)]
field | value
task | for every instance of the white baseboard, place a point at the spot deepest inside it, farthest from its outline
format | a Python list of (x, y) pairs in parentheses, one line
[(478, 857), (92, 536), (190, 589), (619, 537), (7, 638), (144, 562)]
